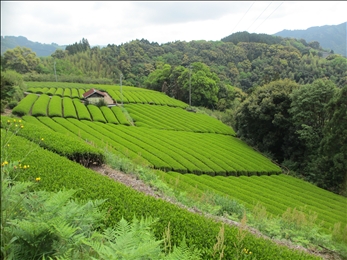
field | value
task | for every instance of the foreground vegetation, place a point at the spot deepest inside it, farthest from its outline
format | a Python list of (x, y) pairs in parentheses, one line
[(55, 172), (282, 98)]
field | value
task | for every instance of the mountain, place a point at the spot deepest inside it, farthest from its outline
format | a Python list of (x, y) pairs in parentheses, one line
[(41, 49), (332, 37)]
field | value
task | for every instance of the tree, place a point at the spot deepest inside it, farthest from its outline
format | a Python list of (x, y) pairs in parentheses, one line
[(310, 116), (158, 78), (263, 119), (22, 60), (332, 162)]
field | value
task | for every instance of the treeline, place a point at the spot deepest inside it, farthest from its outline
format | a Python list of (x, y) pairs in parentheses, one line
[(301, 127), (251, 62)]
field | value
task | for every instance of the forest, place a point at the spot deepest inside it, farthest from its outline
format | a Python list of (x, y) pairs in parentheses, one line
[(285, 97)]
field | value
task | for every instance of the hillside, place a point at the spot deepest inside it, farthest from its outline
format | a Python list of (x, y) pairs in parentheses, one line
[(41, 49), (194, 154), (331, 37)]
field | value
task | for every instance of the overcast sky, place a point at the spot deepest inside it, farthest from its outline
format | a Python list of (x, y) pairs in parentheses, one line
[(116, 22)]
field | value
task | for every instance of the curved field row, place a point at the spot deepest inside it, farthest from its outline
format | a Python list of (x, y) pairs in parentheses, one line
[(81, 110), (40, 106), (25, 105), (177, 119), (185, 146), (62, 92), (66, 107), (55, 107), (271, 191), (96, 113), (130, 94)]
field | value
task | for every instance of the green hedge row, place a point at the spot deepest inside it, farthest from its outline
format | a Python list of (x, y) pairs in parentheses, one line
[(331, 212), (178, 119), (59, 92), (40, 106), (96, 137), (81, 91), (55, 107), (67, 92), (56, 172), (75, 93), (51, 91), (130, 94), (109, 115), (72, 148), (81, 110), (96, 114), (25, 105), (138, 149), (276, 197), (115, 95), (145, 144), (120, 115), (69, 110)]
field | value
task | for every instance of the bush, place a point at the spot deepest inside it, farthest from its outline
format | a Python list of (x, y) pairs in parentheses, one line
[(12, 104)]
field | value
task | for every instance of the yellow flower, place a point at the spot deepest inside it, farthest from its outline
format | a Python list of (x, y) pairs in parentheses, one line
[(38, 179), (8, 122), (41, 139), (14, 120), (8, 144), (19, 121), (22, 126), (24, 166)]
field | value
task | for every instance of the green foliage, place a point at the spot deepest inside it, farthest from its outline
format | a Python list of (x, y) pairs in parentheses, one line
[(263, 119), (310, 115), (25, 105), (12, 86), (40, 106), (123, 201), (333, 147), (22, 60)]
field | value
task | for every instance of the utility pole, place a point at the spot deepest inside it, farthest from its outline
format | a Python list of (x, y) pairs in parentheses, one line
[(121, 93), (55, 73), (190, 86)]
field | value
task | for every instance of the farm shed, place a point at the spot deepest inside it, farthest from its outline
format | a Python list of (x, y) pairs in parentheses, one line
[(93, 96)]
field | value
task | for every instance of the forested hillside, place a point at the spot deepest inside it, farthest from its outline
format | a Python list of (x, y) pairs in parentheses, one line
[(259, 83)]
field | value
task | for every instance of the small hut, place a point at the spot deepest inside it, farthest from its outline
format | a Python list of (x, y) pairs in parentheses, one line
[(93, 96)]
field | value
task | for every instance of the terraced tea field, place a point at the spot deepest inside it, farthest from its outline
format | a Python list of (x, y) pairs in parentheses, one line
[(195, 153)]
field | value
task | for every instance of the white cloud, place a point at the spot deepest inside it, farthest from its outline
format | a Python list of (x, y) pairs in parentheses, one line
[(116, 22)]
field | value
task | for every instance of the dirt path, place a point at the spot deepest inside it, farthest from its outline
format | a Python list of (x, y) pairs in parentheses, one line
[(133, 182)]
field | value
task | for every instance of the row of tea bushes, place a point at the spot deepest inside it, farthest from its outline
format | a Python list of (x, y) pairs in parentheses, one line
[(56, 106), (73, 148), (128, 94), (276, 193), (25, 105), (57, 172), (169, 118)]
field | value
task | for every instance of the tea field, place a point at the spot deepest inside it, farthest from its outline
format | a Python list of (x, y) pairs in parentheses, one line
[(191, 152)]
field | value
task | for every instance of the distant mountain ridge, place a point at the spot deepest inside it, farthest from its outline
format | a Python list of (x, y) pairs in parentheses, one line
[(332, 37), (41, 49)]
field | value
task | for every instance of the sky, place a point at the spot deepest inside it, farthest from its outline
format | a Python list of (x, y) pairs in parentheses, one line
[(117, 22)]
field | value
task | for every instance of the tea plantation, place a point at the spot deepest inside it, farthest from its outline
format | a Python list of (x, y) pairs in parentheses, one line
[(191, 152)]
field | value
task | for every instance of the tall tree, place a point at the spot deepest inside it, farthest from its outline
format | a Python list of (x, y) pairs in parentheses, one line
[(332, 162), (310, 116), (263, 119), (20, 59)]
